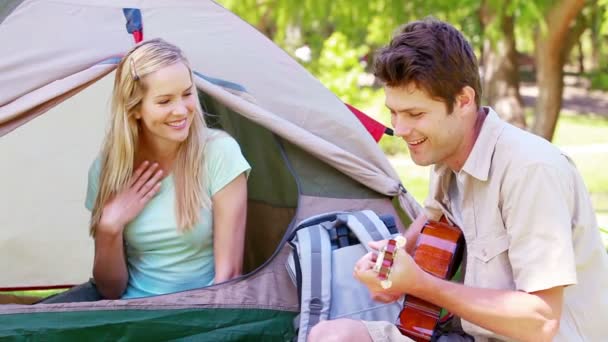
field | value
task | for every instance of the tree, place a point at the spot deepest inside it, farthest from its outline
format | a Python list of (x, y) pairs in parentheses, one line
[(553, 46), (499, 62), (549, 27)]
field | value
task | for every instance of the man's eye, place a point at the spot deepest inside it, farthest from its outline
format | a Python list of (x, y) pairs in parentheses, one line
[(188, 94), (416, 114)]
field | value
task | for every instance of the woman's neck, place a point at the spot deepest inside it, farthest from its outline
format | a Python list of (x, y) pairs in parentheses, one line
[(163, 154)]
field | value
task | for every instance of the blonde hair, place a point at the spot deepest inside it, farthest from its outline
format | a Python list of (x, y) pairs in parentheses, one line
[(121, 141)]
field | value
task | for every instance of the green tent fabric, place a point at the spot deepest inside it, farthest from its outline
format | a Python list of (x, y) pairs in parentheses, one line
[(151, 325), (309, 154)]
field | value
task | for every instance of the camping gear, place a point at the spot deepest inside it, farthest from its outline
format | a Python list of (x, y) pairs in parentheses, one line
[(309, 155), (326, 248)]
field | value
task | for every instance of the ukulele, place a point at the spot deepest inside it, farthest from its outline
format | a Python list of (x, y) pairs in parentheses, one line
[(438, 251)]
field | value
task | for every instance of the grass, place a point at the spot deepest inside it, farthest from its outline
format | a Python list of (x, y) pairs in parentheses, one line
[(32, 296), (34, 293), (574, 130)]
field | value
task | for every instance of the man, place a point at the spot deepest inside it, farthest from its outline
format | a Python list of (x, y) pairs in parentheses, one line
[(535, 267)]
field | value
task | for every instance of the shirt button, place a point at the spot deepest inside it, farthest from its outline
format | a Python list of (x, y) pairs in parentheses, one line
[(484, 252)]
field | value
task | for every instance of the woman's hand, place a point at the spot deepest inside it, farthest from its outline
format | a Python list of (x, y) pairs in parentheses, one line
[(127, 204)]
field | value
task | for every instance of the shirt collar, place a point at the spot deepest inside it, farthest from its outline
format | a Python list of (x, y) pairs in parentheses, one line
[(480, 159)]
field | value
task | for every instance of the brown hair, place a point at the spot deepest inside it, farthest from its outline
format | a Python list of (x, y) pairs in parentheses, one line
[(432, 55)]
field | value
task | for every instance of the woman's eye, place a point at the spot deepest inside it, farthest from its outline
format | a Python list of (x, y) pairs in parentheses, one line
[(163, 102), (187, 94), (416, 114)]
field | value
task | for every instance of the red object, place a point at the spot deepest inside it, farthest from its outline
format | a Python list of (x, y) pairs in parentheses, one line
[(138, 36), (375, 128)]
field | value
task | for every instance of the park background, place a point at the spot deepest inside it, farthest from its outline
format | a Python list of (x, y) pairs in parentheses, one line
[(544, 66)]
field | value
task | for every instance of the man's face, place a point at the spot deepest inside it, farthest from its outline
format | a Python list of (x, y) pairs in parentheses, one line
[(433, 136)]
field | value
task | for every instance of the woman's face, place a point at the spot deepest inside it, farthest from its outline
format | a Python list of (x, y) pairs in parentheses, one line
[(168, 105)]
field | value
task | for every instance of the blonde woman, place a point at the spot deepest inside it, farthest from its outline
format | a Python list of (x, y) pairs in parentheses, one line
[(168, 195)]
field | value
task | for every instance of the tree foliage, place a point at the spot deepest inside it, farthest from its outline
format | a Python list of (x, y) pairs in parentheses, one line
[(343, 34)]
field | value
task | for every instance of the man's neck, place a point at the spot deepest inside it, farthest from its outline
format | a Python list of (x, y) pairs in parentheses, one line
[(468, 142)]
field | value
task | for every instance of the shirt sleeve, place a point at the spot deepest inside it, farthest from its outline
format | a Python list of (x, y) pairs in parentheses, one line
[(93, 184), (537, 216), (224, 162)]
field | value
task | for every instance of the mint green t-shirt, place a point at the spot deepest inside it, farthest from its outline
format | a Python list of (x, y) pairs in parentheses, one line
[(160, 259)]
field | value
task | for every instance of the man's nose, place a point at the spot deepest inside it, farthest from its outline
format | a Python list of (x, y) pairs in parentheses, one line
[(402, 127)]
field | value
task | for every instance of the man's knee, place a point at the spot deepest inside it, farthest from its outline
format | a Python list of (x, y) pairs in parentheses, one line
[(321, 332), (338, 330)]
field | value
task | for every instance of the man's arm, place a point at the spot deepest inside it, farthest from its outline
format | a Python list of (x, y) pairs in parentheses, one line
[(519, 315), (533, 316)]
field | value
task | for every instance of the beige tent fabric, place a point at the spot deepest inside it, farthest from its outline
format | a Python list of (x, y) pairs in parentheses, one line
[(218, 43), (381, 178), (311, 206), (52, 49), (20, 111), (270, 288), (46, 41), (44, 236)]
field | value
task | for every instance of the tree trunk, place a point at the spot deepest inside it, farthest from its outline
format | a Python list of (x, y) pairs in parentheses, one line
[(581, 57), (596, 41), (500, 67), (265, 24), (551, 52)]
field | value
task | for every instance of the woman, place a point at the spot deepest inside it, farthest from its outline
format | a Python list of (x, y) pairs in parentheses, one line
[(168, 195)]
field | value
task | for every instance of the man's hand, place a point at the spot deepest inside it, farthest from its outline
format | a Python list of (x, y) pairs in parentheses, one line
[(404, 273)]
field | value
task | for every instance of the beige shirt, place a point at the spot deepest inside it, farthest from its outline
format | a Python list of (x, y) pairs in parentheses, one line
[(528, 224)]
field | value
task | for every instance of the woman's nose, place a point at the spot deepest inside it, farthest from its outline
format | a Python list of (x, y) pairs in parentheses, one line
[(180, 109)]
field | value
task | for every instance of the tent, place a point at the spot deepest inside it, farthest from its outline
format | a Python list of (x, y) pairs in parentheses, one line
[(309, 155)]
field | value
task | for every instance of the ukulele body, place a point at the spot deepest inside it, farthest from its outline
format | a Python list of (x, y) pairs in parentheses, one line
[(439, 252)]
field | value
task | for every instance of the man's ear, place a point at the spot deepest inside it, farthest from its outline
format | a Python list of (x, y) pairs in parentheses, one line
[(465, 100)]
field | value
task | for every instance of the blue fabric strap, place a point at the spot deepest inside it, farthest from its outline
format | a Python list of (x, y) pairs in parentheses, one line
[(134, 22)]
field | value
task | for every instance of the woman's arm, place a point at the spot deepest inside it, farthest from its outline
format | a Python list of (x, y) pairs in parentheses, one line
[(229, 219), (109, 265)]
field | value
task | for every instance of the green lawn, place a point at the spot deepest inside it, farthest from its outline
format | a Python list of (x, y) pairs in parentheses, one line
[(575, 130), (35, 293)]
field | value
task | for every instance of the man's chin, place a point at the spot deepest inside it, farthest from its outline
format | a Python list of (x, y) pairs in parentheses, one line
[(421, 162)]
